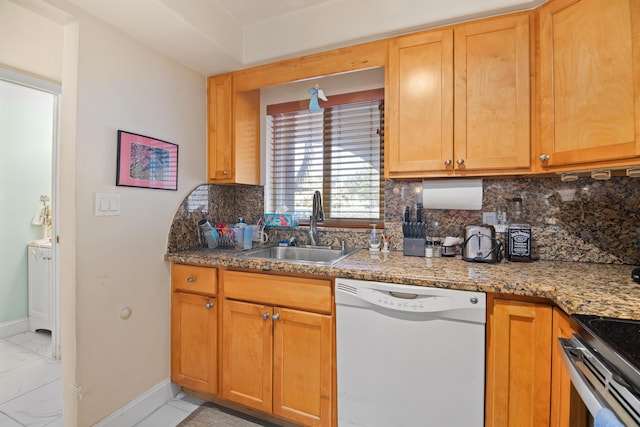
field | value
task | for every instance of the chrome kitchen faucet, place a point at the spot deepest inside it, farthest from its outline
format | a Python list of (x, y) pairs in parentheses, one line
[(317, 214)]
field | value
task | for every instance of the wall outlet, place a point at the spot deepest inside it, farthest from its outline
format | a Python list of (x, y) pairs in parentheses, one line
[(489, 218)]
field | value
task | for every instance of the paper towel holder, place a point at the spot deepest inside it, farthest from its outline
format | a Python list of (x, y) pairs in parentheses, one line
[(452, 193)]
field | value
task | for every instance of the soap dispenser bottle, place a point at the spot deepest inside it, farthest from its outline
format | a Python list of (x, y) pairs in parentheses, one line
[(238, 231), (374, 240)]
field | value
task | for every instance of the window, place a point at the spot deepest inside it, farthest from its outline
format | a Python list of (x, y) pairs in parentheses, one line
[(338, 151)]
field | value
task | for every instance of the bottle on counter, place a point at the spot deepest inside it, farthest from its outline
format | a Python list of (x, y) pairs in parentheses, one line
[(238, 230), (428, 249), (437, 248), (518, 234), (374, 240)]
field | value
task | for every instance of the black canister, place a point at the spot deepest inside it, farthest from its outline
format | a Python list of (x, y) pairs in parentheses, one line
[(519, 242)]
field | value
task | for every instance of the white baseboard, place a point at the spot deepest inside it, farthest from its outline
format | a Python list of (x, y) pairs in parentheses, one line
[(14, 327), (141, 407)]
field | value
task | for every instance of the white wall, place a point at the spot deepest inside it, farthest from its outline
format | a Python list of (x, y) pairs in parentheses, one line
[(111, 82), (30, 42), (343, 22), (124, 85), (26, 132)]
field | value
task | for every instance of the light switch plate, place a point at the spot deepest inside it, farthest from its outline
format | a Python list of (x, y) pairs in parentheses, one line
[(107, 204)]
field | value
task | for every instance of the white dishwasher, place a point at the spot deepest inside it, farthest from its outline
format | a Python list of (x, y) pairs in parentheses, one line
[(409, 356)]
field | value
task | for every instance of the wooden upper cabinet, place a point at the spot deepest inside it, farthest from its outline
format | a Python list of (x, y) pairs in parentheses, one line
[(589, 82), (234, 133), (419, 104), (220, 128), (458, 100), (493, 95)]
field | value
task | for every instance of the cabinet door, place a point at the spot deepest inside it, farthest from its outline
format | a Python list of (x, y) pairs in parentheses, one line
[(589, 67), (518, 364), (246, 137), (567, 409), (302, 367), (194, 337), (492, 95), (221, 149), (419, 104), (40, 286), (247, 354)]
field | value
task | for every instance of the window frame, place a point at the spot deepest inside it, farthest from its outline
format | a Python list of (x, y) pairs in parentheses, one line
[(334, 100)]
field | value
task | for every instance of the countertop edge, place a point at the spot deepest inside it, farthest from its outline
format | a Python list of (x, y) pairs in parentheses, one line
[(597, 289)]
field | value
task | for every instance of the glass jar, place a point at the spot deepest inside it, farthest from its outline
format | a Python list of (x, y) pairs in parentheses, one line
[(428, 249), (437, 248)]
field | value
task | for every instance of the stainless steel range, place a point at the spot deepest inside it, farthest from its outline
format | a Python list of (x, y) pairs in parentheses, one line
[(603, 360)]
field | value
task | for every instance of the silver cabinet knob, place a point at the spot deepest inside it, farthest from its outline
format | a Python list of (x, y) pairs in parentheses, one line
[(473, 300), (460, 162), (225, 172), (447, 162), (191, 279), (544, 157), (209, 306), (276, 316), (265, 316)]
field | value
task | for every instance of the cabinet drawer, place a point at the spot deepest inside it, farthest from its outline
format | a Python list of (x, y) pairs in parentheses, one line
[(190, 278), (296, 292)]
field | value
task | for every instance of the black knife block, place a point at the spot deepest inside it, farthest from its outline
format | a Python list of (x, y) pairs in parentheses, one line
[(413, 246)]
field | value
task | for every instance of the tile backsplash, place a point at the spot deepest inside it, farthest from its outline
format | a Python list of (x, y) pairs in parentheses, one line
[(218, 204), (584, 220)]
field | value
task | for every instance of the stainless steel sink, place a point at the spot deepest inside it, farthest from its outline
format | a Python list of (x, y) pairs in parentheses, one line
[(322, 255)]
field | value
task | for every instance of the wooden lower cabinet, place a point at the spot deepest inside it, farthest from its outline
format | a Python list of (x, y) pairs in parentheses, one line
[(518, 363), (275, 359), (194, 327), (567, 409), (302, 367), (247, 354), (194, 324)]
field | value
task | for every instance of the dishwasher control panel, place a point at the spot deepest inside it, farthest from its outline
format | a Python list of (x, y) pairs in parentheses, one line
[(452, 304), (418, 303)]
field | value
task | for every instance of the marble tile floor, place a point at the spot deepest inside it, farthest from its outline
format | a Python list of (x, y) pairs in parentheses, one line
[(31, 387), (30, 381)]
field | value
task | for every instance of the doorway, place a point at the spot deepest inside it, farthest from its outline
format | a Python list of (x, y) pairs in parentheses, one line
[(28, 185)]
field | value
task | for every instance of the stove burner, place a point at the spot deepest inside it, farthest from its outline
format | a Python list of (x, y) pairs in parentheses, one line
[(622, 335)]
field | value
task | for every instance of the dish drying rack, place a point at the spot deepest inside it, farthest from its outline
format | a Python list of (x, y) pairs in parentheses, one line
[(226, 237)]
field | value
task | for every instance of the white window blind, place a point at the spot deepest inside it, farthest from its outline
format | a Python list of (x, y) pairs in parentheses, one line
[(338, 151)]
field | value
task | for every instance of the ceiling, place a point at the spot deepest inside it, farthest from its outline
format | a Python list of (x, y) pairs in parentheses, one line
[(215, 36)]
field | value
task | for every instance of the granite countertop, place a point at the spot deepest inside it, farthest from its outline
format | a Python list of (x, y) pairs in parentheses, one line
[(597, 289)]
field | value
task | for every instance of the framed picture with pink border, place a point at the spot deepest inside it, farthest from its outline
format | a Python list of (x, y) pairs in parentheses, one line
[(146, 162)]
